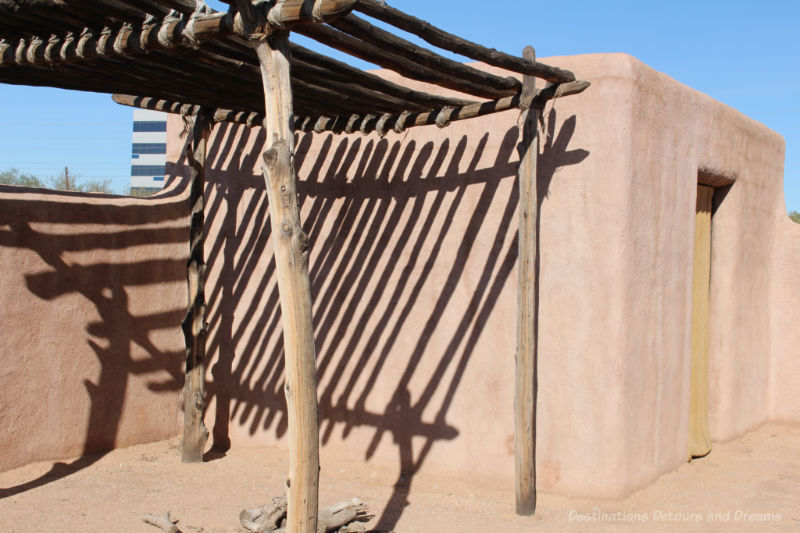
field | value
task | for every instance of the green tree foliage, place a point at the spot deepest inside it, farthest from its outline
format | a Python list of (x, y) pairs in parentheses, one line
[(71, 182), (15, 177), (98, 186), (795, 215), (63, 182)]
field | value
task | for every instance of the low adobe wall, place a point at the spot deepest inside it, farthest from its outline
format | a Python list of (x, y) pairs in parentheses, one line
[(92, 287), (413, 273)]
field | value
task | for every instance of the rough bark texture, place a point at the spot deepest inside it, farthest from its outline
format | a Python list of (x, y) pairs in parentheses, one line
[(525, 390), (290, 244), (194, 325)]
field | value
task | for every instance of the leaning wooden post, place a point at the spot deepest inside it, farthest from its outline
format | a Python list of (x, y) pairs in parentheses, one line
[(525, 389), (291, 248), (194, 324)]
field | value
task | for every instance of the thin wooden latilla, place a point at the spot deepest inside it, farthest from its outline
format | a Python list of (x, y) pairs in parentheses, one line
[(194, 324), (525, 387)]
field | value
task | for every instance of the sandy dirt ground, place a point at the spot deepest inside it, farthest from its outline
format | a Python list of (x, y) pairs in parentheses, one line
[(750, 484)]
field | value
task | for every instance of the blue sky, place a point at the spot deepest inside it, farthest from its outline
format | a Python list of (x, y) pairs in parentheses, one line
[(744, 54)]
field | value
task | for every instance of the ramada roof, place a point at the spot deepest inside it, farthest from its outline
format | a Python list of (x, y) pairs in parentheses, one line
[(178, 56)]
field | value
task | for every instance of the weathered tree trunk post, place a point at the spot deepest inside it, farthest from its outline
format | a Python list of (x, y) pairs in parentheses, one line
[(194, 325), (291, 246), (525, 387)]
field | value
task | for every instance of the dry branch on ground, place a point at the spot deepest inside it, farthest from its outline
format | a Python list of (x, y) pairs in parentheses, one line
[(164, 522), (349, 516)]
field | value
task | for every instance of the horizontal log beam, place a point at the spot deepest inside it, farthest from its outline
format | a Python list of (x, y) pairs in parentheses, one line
[(256, 21), (357, 98), (443, 117), (365, 31), (391, 60), (303, 57), (248, 118), (290, 12), (447, 41), (367, 123)]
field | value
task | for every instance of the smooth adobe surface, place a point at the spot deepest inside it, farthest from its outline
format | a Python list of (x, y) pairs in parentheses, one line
[(92, 291)]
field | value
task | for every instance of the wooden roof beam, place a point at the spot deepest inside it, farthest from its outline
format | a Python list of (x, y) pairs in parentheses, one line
[(87, 80), (359, 97), (308, 59), (316, 86), (170, 32), (194, 68), (262, 18), (393, 61), (311, 66), (45, 18), (443, 117), (365, 31), (173, 30), (455, 44), (366, 123), (323, 86)]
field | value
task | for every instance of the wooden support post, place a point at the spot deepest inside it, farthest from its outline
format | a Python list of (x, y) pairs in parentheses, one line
[(291, 247), (194, 324), (525, 389)]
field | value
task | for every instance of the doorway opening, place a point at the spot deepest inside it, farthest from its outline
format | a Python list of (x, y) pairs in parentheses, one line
[(712, 188), (699, 435)]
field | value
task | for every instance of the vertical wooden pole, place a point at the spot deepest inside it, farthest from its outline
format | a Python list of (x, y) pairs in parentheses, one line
[(195, 433), (291, 264), (525, 389)]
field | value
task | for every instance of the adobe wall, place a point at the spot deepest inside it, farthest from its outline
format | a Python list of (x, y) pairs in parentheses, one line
[(413, 272), (92, 288)]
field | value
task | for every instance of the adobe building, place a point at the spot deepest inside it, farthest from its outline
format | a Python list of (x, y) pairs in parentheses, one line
[(413, 271)]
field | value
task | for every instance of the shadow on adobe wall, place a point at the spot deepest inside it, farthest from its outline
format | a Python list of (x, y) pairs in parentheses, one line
[(60, 249), (380, 212)]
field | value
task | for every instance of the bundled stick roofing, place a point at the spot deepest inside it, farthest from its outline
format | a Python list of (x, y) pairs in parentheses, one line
[(179, 55)]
